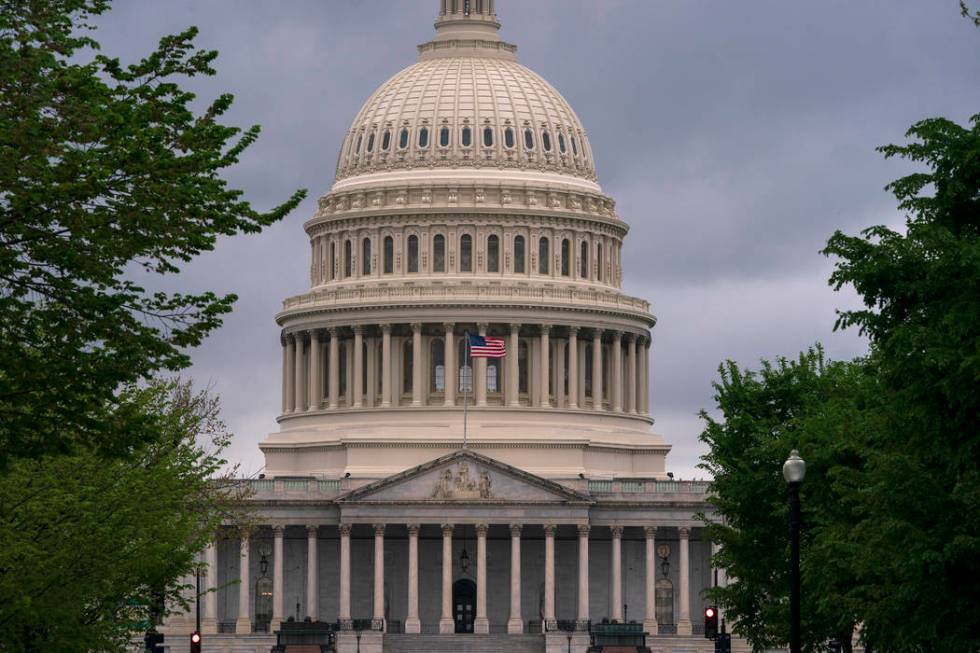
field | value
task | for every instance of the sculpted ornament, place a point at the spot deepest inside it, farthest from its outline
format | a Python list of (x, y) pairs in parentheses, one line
[(461, 485)]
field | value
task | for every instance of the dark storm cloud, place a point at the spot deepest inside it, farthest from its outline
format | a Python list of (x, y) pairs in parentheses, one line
[(735, 138)]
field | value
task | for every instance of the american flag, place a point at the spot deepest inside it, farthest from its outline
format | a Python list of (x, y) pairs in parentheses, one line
[(485, 347)]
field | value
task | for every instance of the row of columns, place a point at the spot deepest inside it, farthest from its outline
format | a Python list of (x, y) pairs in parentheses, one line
[(303, 373), (515, 623)]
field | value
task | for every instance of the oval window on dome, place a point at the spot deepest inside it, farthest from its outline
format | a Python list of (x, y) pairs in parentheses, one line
[(574, 147), (467, 137), (386, 140), (487, 137), (370, 146), (403, 138), (529, 139), (509, 137), (546, 140), (561, 142), (444, 137), (424, 137)]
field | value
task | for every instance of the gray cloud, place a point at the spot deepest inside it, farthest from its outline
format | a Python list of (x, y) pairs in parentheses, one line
[(736, 137)]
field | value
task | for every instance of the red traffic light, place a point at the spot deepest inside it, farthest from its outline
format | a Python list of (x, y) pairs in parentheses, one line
[(709, 612), (711, 622), (195, 642)]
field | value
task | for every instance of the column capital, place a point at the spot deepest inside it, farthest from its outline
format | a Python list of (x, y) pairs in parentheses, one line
[(684, 532), (616, 531), (449, 326), (312, 530), (573, 331), (447, 529), (379, 529), (416, 327), (550, 529), (386, 328), (631, 337), (651, 531), (597, 333), (616, 334), (583, 530), (481, 529), (344, 529), (545, 328), (333, 331), (482, 326), (515, 326), (358, 329), (515, 530), (283, 338), (413, 529), (278, 530)]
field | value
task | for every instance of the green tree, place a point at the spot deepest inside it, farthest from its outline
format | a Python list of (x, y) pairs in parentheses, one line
[(821, 408), (104, 169), (915, 514), (87, 543)]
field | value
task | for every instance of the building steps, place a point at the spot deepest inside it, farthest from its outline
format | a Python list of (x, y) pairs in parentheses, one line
[(463, 643)]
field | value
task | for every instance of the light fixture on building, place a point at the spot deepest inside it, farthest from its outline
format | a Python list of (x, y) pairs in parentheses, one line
[(464, 557)]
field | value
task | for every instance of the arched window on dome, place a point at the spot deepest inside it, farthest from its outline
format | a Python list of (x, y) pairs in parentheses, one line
[(348, 263), (493, 254), (403, 138), (574, 146), (370, 144), (439, 253), (413, 254), (598, 261), (407, 366), (543, 255), (437, 365), (444, 137), (389, 255), (424, 138), (386, 140), (357, 148), (508, 138), (519, 254), (529, 139), (466, 137), (566, 254), (488, 137), (366, 256), (466, 253), (561, 142), (583, 263), (546, 140)]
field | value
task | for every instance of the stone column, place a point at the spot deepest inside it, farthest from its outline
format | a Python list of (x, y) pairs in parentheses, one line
[(573, 367), (515, 625), (513, 348), (583, 573), (684, 622), (616, 351), (334, 368), (344, 611), (650, 581), (299, 372), (416, 364), (481, 625), (243, 625), (209, 625), (412, 623), (544, 396), (277, 584), (616, 611), (480, 373), (312, 575), (449, 359), (631, 374), (287, 374), (358, 367), (316, 373), (549, 572), (597, 370), (385, 365), (446, 624), (378, 615)]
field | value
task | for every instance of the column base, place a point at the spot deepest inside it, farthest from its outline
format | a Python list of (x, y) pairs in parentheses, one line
[(366, 641), (447, 626), (243, 626), (515, 626), (558, 642), (650, 626), (413, 626), (274, 625), (481, 626), (209, 626), (684, 627)]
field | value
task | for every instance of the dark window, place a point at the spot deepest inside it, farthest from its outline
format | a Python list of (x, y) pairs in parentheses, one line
[(583, 264), (543, 256), (467, 137), (574, 146), (424, 137), (522, 367), (437, 365), (509, 137), (466, 253), (366, 256), (598, 261), (408, 362), (386, 140), (403, 139), (493, 254), (566, 252), (519, 254), (546, 140), (561, 142), (444, 137), (342, 365), (347, 259), (389, 255), (487, 137), (370, 146), (357, 148), (439, 253), (330, 261), (529, 139), (465, 371), (413, 253)]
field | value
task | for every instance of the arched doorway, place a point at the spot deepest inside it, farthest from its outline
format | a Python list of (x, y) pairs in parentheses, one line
[(464, 605)]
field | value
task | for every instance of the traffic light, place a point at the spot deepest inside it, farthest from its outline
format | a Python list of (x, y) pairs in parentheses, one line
[(195, 642), (711, 622), (153, 642)]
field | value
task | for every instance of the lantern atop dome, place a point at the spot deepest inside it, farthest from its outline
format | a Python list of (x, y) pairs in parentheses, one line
[(467, 28)]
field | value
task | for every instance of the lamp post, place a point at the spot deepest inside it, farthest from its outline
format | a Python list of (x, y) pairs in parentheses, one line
[(794, 469)]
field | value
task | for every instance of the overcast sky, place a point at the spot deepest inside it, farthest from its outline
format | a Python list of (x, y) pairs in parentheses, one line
[(734, 136)]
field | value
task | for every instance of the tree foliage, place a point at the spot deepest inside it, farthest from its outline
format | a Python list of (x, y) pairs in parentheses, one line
[(105, 169), (87, 544)]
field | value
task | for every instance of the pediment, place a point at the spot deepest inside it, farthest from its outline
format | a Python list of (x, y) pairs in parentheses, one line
[(464, 477)]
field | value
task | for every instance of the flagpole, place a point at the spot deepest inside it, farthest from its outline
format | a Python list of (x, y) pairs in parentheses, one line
[(466, 363)]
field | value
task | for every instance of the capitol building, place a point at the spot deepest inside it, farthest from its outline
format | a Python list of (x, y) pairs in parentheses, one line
[(416, 498)]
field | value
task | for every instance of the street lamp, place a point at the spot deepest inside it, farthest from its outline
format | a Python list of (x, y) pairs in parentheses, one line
[(794, 469)]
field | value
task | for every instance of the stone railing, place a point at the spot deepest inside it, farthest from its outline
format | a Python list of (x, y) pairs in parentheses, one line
[(480, 294), (633, 487), (286, 487)]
